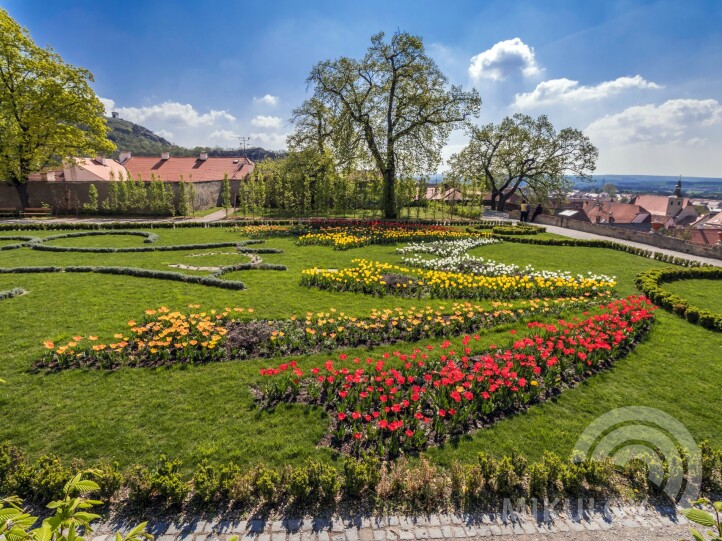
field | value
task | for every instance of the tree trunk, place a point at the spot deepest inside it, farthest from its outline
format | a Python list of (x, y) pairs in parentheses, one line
[(494, 197), (389, 195), (501, 203), (22, 189)]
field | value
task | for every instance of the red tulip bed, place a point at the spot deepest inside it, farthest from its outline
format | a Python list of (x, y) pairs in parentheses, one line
[(406, 401)]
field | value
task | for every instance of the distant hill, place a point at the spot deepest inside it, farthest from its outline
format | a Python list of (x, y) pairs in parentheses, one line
[(140, 141), (691, 186)]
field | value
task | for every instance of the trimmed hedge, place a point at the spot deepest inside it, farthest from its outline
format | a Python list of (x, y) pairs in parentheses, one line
[(248, 266), (135, 272), (149, 237), (25, 242), (101, 250), (15, 292), (419, 486), (592, 243), (649, 283)]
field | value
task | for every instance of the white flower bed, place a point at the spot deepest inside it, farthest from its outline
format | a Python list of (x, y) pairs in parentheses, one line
[(453, 258)]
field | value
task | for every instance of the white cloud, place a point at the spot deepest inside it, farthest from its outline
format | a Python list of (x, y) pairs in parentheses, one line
[(565, 91), (165, 134), (108, 104), (266, 122), (503, 59), (173, 112), (670, 121), (224, 136), (272, 141), (268, 99)]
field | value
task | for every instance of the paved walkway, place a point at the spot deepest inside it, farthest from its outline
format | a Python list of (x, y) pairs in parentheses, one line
[(212, 217), (573, 233), (612, 524)]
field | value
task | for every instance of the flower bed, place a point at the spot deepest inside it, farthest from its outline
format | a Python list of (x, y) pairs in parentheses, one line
[(455, 259), (518, 229), (344, 238), (649, 283), (376, 278), (265, 231), (167, 337), (404, 404)]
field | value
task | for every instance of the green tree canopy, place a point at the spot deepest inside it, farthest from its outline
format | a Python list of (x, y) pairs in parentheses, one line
[(394, 100), (48, 112), (524, 153)]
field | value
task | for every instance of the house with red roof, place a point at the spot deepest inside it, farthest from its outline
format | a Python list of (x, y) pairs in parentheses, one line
[(201, 169), (671, 211), (618, 214), (67, 189)]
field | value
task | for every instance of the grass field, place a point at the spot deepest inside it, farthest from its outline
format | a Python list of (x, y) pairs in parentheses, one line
[(195, 412), (705, 294)]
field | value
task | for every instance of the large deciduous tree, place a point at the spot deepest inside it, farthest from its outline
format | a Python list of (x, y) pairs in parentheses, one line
[(395, 100), (48, 111), (524, 153)]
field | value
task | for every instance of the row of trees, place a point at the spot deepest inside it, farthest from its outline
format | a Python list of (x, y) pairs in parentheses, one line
[(371, 125), (308, 183)]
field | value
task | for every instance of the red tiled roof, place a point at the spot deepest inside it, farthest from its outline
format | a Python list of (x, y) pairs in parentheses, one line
[(715, 220), (657, 204), (623, 213), (192, 169)]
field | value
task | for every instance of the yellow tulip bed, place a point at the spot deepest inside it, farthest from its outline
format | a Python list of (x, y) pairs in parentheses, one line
[(376, 278), (166, 336), (344, 238)]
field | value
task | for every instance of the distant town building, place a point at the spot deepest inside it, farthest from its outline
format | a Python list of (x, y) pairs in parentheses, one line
[(618, 214), (671, 211)]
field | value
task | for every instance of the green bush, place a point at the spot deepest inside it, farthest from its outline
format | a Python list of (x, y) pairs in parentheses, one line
[(266, 484), (48, 478), (161, 486), (361, 476)]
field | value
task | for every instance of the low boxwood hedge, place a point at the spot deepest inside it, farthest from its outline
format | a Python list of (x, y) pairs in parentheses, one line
[(212, 281), (15, 292), (649, 283), (367, 483)]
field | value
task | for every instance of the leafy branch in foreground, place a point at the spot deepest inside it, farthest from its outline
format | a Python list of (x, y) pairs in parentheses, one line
[(703, 518), (71, 516)]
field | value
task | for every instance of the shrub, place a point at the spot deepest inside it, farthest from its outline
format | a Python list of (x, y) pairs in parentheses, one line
[(266, 484), (361, 476), (48, 478), (160, 486)]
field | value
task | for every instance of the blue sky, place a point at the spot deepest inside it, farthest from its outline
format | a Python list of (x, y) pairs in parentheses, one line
[(643, 79)]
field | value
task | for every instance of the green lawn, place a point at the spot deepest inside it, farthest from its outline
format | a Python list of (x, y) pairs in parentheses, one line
[(706, 294), (198, 412)]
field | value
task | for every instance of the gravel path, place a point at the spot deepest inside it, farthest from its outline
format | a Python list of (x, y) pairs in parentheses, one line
[(614, 524)]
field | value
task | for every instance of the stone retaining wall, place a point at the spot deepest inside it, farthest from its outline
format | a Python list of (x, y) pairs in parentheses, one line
[(651, 239)]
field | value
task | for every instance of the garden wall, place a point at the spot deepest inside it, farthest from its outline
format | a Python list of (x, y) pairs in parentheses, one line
[(651, 239), (69, 196)]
